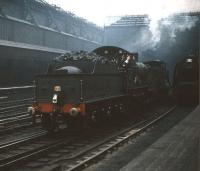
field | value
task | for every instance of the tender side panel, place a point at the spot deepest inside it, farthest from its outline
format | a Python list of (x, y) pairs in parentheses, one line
[(75, 87), (70, 88), (102, 86)]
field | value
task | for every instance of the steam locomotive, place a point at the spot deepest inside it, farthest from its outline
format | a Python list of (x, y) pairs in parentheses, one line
[(83, 88), (186, 80)]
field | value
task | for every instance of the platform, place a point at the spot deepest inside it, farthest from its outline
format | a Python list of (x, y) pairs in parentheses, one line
[(176, 150), (168, 147)]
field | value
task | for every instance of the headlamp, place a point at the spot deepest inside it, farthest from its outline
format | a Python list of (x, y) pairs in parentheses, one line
[(55, 98)]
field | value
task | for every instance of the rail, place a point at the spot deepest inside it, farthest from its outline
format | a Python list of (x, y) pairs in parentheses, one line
[(93, 150), (17, 88), (14, 94), (95, 153)]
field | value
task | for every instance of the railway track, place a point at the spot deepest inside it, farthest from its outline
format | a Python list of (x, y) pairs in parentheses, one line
[(22, 148), (12, 94), (18, 141), (113, 142), (26, 148), (14, 102), (14, 108), (19, 134), (77, 151), (9, 103), (16, 122)]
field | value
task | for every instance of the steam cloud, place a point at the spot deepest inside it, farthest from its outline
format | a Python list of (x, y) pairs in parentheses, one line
[(173, 24)]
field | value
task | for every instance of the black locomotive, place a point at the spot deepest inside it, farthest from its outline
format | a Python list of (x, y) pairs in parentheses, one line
[(186, 80), (87, 87)]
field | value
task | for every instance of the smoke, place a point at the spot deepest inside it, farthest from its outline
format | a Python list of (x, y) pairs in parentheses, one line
[(139, 43), (162, 33), (179, 24), (174, 24), (167, 28)]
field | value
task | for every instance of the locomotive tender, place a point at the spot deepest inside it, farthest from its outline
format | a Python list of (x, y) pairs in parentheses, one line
[(82, 87)]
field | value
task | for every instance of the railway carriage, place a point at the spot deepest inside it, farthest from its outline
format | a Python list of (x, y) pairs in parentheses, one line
[(186, 80)]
